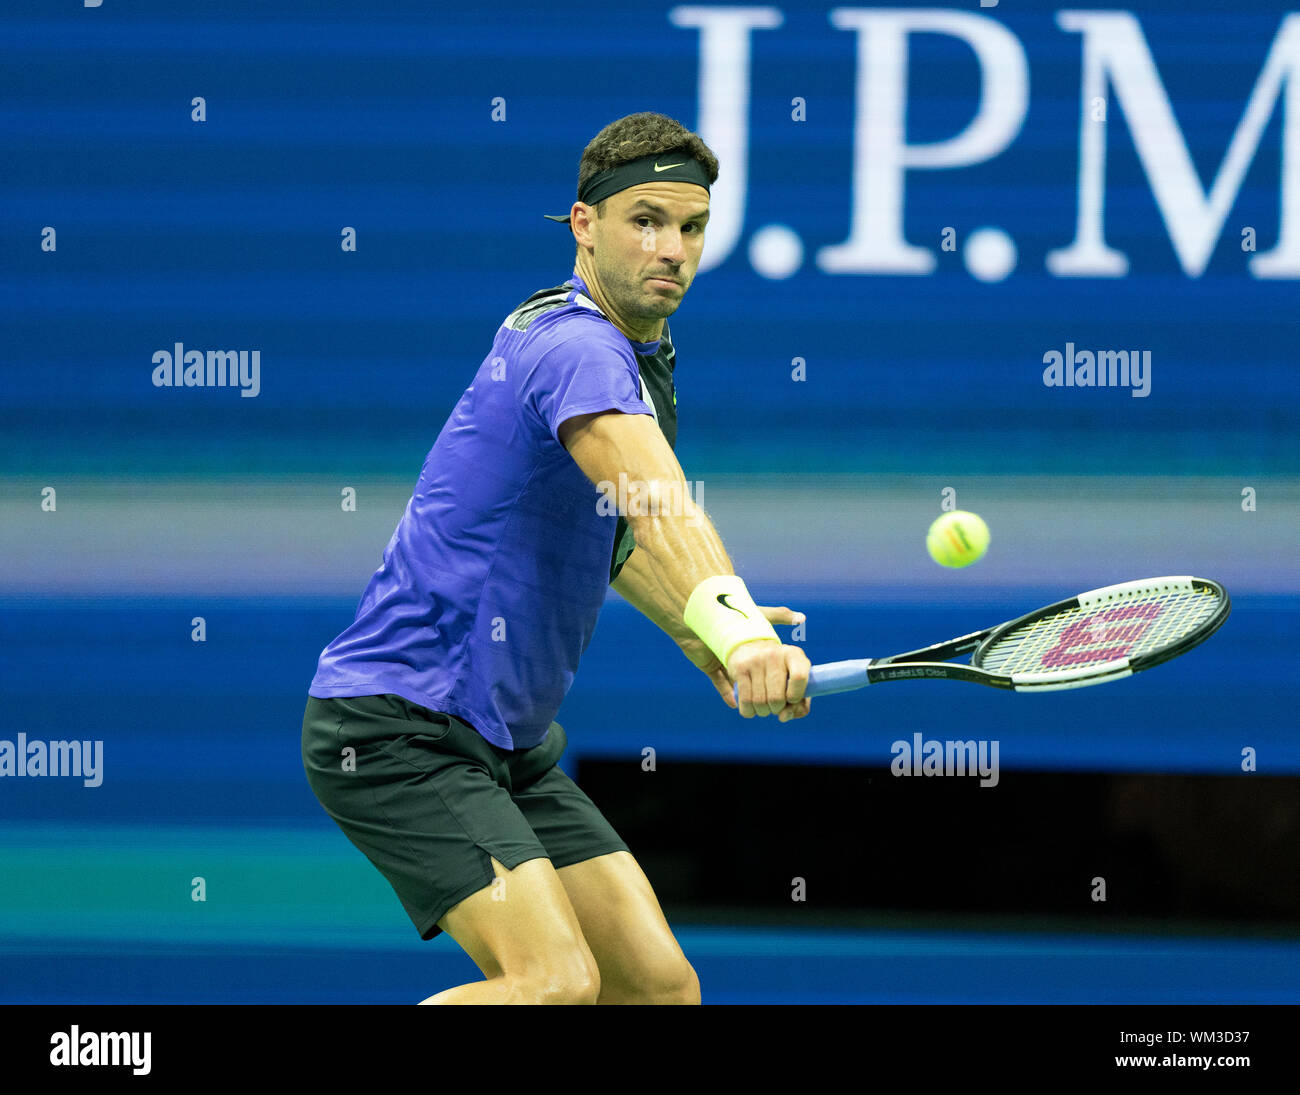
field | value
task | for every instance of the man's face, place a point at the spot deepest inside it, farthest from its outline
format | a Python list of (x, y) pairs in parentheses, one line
[(647, 246)]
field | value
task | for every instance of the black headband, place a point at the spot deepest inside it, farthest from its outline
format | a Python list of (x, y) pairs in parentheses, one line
[(661, 167)]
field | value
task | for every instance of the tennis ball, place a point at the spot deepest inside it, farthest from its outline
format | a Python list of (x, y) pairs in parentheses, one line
[(957, 539)]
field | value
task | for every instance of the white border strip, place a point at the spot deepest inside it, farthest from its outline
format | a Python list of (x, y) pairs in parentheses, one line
[(1144, 587), (1072, 678)]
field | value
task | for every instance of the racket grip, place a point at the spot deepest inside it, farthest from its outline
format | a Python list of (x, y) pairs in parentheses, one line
[(831, 677), (837, 677)]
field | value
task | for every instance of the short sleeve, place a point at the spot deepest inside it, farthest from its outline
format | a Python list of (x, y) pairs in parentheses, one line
[(584, 374)]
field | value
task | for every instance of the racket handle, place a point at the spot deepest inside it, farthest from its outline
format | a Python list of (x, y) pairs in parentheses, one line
[(837, 677), (831, 677)]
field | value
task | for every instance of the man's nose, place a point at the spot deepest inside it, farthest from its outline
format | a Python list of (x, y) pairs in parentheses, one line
[(671, 248)]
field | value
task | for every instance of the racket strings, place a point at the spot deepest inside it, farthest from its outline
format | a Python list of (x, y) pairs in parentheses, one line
[(1081, 637)]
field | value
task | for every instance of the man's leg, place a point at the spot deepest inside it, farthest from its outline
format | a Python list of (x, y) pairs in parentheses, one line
[(617, 912), (523, 934), (639, 959), (425, 799)]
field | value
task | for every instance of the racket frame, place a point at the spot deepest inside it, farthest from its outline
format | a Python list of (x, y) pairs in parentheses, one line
[(929, 662)]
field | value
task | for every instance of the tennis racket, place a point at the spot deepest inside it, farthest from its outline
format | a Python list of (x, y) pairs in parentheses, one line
[(1099, 636)]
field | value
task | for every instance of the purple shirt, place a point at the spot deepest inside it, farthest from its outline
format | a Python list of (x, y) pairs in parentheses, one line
[(490, 587)]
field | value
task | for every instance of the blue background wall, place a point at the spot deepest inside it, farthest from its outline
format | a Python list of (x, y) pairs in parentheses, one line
[(225, 234)]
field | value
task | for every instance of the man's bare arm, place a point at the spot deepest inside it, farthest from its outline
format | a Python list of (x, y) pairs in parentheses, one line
[(636, 584), (681, 546)]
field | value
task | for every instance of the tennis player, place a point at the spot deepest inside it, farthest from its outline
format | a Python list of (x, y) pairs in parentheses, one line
[(429, 734)]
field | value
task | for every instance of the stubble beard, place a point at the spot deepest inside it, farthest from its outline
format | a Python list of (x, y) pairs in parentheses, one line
[(639, 301)]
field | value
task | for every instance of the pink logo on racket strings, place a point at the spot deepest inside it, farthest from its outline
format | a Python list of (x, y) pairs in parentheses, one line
[(1080, 643)]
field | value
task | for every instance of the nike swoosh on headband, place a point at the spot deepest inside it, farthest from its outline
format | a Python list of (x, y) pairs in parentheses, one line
[(665, 167)]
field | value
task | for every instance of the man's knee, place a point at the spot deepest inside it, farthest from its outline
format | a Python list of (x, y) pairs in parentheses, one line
[(572, 978), (684, 988), (665, 983)]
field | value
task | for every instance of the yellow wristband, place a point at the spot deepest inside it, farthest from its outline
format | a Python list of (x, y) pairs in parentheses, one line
[(723, 614)]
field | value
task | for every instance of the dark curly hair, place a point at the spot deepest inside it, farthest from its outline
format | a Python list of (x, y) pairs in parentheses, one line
[(637, 135)]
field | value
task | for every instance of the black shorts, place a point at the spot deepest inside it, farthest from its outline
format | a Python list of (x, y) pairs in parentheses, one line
[(428, 799)]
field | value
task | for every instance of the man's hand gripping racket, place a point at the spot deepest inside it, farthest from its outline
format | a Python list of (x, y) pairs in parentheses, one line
[(780, 671)]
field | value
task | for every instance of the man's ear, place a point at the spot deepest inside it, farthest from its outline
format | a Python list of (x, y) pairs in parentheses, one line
[(582, 216)]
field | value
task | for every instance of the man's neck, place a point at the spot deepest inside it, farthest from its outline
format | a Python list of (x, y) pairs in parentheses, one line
[(643, 334)]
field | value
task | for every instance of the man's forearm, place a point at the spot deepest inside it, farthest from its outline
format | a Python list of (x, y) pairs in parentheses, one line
[(679, 550), (636, 583), (682, 562), (677, 543)]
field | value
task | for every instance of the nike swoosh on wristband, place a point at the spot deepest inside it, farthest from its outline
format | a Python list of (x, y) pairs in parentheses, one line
[(722, 600), (665, 168)]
